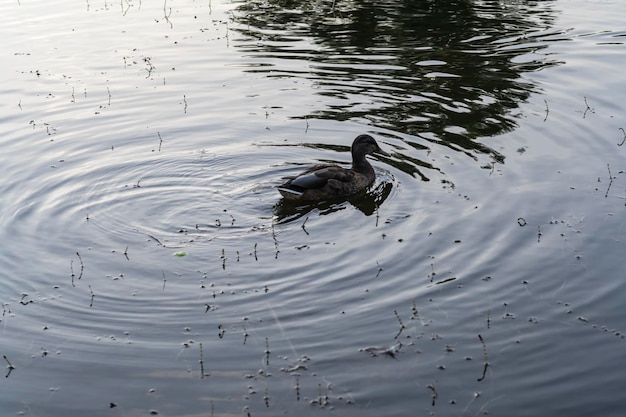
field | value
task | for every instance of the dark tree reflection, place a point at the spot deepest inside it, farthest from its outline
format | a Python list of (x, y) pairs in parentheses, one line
[(448, 72)]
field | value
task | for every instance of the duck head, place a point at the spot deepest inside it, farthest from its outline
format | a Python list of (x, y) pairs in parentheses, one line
[(364, 145)]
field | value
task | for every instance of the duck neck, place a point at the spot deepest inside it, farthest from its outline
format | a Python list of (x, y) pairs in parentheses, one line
[(361, 165)]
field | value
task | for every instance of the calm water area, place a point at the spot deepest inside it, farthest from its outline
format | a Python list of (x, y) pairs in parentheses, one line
[(149, 267)]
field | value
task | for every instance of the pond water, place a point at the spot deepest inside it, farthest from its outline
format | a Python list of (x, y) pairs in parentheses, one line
[(149, 266)]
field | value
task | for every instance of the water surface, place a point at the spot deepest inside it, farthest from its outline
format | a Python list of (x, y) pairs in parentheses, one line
[(149, 266)]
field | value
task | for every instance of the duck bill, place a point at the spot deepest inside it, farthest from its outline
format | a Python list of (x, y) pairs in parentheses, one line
[(381, 152)]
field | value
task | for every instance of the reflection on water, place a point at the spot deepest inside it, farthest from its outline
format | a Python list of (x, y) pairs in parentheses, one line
[(367, 202), (449, 73)]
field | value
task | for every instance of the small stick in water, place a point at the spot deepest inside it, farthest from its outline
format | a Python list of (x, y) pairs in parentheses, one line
[(434, 393), (156, 240), (92, 296), (624, 139), (72, 270), (587, 109), (402, 326), (297, 388), (485, 357), (201, 363), (9, 364), (82, 267), (610, 181), (416, 313)]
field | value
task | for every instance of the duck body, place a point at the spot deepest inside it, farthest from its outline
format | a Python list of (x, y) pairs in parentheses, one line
[(324, 181)]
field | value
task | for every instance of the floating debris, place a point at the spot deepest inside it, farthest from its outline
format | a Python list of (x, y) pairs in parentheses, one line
[(384, 350)]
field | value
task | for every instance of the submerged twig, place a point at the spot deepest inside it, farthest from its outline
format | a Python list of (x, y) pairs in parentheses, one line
[(303, 224), (297, 388), (201, 363), (92, 296), (443, 281), (72, 271), (587, 109), (486, 359), (547, 110), (608, 167), (624, 139), (245, 332), (380, 269), (377, 216), (10, 366), (275, 239), (82, 267), (167, 15), (156, 240), (402, 326), (434, 393), (150, 68), (25, 303), (416, 313)]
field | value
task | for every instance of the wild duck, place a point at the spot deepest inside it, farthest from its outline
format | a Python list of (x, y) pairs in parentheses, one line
[(324, 181)]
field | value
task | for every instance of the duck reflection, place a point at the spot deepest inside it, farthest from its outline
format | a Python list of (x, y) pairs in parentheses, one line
[(366, 201)]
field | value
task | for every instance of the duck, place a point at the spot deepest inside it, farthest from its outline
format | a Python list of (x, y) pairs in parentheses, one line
[(327, 181)]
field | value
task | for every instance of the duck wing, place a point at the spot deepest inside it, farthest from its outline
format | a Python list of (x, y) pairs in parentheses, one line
[(318, 176)]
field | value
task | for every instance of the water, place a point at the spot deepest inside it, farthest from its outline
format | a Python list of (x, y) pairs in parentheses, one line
[(150, 267)]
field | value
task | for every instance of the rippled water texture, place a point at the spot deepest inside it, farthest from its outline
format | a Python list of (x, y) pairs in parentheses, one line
[(149, 266)]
